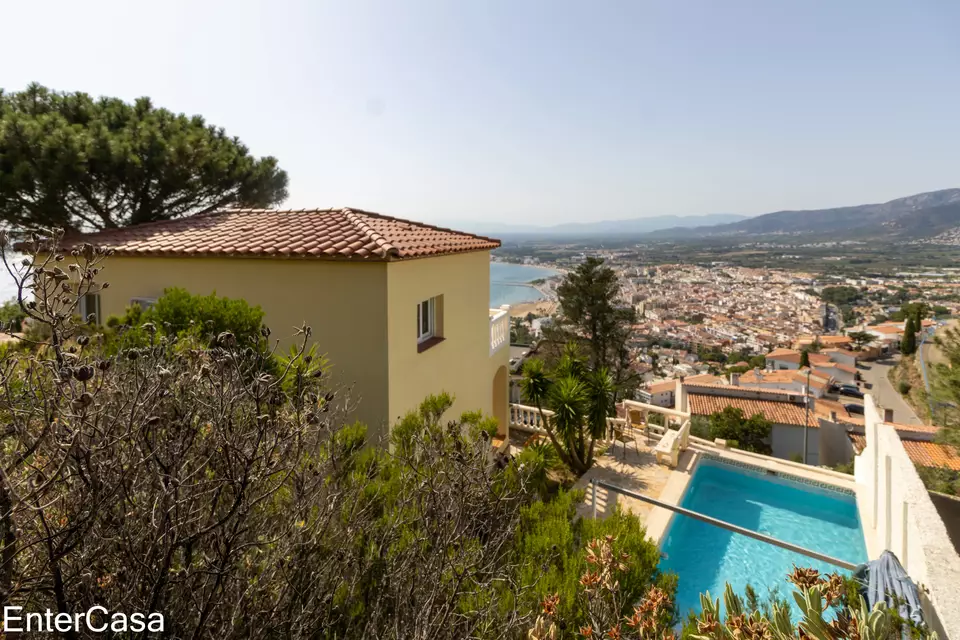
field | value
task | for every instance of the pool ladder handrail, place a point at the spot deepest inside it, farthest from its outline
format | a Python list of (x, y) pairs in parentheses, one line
[(723, 524)]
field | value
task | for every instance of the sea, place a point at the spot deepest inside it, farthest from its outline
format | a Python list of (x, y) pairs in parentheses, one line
[(509, 283)]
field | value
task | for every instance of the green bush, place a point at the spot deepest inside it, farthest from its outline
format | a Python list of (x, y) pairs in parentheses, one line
[(749, 434), (844, 467), (178, 311), (904, 387), (11, 314), (940, 479), (194, 318), (551, 555), (700, 427)]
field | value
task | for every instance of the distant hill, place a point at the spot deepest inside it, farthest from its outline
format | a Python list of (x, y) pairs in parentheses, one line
[(606, 228), (917, 216)]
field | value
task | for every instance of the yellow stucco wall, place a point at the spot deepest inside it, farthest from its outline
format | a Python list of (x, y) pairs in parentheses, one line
[(461, 364), (362, 314), (344, 304)]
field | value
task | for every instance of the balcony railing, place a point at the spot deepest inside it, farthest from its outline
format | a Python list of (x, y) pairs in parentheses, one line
[(499, 328), (528, 418)]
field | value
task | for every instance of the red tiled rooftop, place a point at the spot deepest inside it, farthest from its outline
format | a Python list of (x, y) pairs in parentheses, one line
[(776, 353), (919, 428), (858, 441), (301, 233), (932, 454), (777, 412), (921, 452)]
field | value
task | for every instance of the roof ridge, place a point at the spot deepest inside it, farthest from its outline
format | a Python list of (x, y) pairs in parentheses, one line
[(426, 225), (386, 248)]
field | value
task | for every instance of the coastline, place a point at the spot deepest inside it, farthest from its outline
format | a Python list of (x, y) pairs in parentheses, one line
[(547, 304), (539, 307)]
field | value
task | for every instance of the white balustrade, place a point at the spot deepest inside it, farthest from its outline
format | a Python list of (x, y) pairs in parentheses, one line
[(499, 328), (527, 418)]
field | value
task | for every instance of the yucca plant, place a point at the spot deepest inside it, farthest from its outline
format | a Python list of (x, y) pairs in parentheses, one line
[(580, 399)]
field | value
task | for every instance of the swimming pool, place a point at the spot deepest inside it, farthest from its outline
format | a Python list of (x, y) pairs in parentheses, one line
[(705, 557)]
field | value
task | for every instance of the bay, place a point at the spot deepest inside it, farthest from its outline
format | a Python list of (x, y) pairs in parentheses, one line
[(509, 283)]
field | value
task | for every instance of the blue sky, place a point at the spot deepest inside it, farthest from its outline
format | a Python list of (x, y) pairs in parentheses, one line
[(537, 111)]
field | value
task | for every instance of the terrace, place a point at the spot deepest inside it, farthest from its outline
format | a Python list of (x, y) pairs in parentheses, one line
[(824, 513)]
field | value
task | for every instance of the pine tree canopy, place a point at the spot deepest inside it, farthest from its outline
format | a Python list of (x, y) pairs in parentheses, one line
[(81, 163)]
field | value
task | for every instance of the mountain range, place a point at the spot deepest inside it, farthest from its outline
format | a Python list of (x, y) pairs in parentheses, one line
[(606, 228), (921, 215), (917, 216)]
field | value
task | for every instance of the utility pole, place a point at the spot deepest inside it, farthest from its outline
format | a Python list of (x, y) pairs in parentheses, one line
[(806, 415)]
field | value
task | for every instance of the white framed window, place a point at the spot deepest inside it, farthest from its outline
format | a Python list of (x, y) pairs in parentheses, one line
[(90, 305), (426, 320)]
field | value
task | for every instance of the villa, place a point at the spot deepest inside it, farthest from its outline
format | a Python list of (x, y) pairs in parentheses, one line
[(362, 282)]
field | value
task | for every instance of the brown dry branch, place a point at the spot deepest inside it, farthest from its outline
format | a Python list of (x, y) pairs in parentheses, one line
[(232, 494)]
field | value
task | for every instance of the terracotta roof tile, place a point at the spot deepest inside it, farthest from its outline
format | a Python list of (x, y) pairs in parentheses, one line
[(777, 412), (303, 233), (921, 452), (858, 441), (932, 454), (783, 352), (918, 428)]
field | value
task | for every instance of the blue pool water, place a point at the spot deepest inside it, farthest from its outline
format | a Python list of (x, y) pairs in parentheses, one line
[(705, 557)]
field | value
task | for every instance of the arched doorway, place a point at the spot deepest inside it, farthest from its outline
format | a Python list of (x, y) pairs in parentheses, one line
[(501, 381)]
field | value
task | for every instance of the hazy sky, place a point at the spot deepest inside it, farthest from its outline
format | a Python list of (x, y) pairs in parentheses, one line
[(536, 112)]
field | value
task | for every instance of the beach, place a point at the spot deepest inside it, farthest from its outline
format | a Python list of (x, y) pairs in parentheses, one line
[(540, 308), (512, 284)]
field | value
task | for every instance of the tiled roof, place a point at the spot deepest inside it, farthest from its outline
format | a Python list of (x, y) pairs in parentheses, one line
[(777, 412), (662, 387), (886, 329), (704, 379), (302, 233), (918, 428), (835, 339), (753, 387), (785, 376), (750, 377), (921, 452), (932, 454), (859, 442), (825, 406), (782, 352), (818, 358)]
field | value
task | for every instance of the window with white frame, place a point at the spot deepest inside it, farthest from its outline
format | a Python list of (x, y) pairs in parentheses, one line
[(426, 319), (90, 306)]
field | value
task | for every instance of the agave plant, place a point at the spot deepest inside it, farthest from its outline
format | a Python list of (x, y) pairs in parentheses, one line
[(814, 595)]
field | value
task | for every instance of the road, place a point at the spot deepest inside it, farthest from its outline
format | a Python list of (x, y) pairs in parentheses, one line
[(931, 353), (884, 393)]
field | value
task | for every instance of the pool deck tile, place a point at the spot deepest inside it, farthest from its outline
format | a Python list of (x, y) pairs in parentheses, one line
[(637, 470)]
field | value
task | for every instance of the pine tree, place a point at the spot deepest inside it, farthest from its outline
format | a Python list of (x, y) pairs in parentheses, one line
[(73, 161), (909, 344)]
